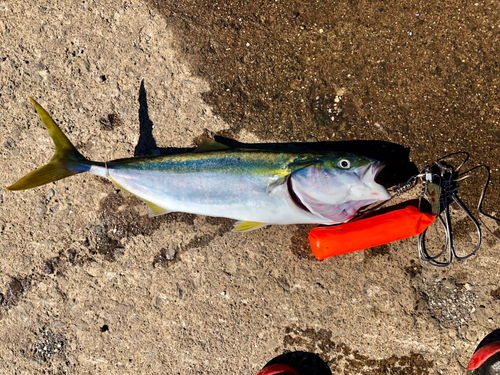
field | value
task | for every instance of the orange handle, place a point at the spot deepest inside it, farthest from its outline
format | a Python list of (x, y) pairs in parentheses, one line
[(372, 231)]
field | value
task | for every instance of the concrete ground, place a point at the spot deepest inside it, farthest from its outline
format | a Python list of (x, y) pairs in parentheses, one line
[(90, 285)]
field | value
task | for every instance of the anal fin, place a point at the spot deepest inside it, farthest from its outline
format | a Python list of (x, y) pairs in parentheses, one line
[(155, 210), (247, 226)]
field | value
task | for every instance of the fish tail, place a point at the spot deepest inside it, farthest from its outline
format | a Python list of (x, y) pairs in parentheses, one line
[(67, 161)]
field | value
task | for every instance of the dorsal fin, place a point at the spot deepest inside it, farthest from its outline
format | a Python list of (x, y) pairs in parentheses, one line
[(210, 145)]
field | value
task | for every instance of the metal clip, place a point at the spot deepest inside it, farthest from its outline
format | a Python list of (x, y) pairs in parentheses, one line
[(446, 179)]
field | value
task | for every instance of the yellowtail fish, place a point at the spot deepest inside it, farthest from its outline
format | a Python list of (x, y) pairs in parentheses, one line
[(255, 187)]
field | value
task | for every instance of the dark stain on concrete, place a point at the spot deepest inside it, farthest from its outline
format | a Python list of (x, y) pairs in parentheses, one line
[(414, 269), (377, 251), (300, 246), (15, 289), (109, 247), (110, 122), (121, 218), (169, 256), (495, 293), (65, 259), (223, 226), (344, 360), (166, 257), (421, 76)]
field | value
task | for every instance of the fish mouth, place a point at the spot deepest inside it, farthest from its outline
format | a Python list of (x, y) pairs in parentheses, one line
[(373, 170), (377, 168), (376, 190)]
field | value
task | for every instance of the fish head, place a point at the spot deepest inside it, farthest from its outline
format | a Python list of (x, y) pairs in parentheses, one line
[(337, 186)]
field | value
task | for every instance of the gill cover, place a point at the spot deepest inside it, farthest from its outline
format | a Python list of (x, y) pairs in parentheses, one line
[(336, 194)]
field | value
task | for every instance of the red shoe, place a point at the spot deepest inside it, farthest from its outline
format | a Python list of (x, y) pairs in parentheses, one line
[(486, 361), (278, 369)]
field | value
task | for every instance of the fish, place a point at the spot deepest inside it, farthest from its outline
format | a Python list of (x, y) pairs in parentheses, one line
[(255, 187)]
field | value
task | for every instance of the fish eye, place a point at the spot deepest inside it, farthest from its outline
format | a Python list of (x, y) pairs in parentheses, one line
[(344, 163)]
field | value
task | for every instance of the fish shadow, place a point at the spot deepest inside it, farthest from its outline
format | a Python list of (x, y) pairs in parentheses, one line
[(396, 157), (146, 145)]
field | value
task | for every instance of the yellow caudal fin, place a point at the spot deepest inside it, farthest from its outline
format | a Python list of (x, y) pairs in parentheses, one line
[(66, 161)]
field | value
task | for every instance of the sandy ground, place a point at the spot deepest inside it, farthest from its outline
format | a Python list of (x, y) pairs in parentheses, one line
[(91, 285)]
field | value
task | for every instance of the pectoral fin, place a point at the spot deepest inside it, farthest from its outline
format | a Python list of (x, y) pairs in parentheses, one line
[(273, 185), (247, 226)]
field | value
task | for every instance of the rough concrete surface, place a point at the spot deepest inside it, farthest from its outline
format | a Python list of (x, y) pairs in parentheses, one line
[(89, 284)]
